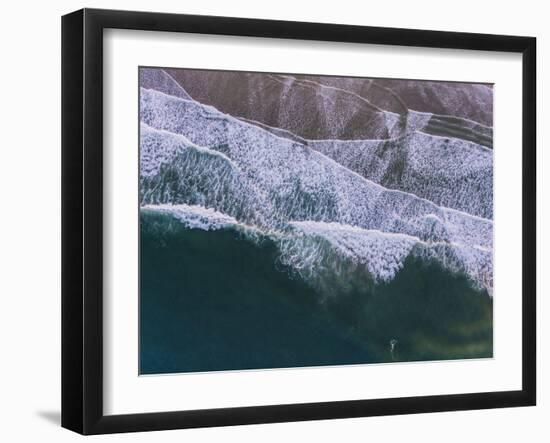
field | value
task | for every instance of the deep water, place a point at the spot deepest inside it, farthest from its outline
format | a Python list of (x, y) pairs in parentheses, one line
[(215, 300)]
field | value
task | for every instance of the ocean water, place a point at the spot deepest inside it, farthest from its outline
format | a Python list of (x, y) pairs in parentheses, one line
[(262, 248), (218, 300)]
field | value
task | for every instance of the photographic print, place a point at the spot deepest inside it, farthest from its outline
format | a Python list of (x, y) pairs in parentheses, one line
[(291, 220)]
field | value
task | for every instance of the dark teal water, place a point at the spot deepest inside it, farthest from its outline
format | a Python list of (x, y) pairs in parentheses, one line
[(216, 301)]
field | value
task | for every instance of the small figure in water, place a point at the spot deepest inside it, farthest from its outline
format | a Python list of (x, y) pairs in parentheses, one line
[(393, 344)]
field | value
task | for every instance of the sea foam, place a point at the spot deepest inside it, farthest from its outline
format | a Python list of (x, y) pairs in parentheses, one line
[(447, 171), (380, 254), (195, 155), (195, 217)]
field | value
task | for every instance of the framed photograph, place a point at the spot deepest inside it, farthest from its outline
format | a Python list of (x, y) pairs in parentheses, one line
[(270, 221)]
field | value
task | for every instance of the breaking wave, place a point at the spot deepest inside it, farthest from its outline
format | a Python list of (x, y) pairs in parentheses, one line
[(196, 217), (334, 257), (342, 213)]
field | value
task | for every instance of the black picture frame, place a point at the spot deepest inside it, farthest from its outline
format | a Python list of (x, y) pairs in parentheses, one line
[(82, 221)]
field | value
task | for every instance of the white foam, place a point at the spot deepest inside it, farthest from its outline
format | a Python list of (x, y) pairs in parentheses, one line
[(268, 181), (159, 147), (382, 254), (195, 217), (447, 171)]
